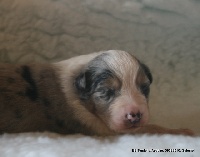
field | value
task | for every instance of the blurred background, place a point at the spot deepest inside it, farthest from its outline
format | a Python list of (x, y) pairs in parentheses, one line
[(164, 34)]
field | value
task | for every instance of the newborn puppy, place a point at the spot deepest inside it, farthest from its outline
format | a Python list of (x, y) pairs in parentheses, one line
[(104, 93)]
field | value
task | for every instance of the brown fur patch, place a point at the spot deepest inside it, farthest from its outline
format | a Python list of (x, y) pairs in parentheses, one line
[(19, 113)]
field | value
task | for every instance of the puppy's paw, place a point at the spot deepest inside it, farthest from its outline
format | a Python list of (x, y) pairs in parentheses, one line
[(183, 132), (155, 129)]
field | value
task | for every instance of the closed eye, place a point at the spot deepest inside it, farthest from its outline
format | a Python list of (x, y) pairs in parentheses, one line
[(106, 94)]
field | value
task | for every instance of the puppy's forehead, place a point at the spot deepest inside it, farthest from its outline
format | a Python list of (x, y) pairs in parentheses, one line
[(121, 64)]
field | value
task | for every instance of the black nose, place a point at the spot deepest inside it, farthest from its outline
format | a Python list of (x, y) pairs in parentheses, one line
[(134, 118), (138, 115)]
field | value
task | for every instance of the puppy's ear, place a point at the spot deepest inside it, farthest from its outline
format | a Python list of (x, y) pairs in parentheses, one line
[(83, 84), (147, 72), (87, 82)]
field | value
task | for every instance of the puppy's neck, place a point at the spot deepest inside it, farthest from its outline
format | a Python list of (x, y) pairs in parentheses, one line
[(75, 63)]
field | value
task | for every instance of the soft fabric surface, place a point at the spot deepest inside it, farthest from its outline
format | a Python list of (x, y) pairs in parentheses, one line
[(53, 145)]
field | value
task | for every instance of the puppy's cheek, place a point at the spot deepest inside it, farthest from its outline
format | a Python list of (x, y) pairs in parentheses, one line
[(117, 117), (145, 118), (116, 123)]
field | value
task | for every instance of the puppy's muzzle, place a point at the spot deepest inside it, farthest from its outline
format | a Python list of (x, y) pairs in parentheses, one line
[(133, 118)]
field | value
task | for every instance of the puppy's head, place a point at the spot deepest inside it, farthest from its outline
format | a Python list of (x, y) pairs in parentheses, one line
[(115, 87)]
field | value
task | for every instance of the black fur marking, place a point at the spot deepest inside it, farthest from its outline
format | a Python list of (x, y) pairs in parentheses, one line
[(4, 90), (60, 123), (21, 93), (147, 72), (48, 116), (92, 87), (87, 82), (93, 91), (145, 87), (46, 102), (31, 91), (10, 80), (18, 114)]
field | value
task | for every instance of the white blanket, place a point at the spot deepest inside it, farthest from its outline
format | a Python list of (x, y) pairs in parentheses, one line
[(53, 145)]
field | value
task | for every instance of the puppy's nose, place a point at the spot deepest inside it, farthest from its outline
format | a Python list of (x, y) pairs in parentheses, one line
[(134, 118)]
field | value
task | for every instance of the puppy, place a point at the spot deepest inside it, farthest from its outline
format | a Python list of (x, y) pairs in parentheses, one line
[(104, 93)]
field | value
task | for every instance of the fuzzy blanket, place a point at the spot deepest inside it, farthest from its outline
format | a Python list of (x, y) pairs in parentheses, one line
[(53, 145)]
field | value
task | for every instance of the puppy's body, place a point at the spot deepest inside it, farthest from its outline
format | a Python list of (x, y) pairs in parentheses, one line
[(103, 93)]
